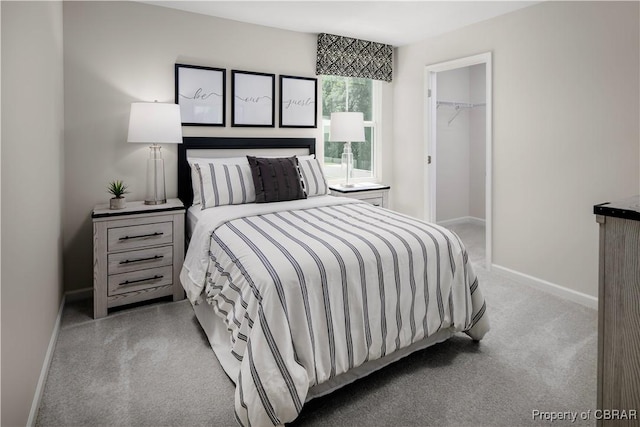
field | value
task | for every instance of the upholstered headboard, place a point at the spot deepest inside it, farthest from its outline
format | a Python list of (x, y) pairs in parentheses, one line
[(232, 147)]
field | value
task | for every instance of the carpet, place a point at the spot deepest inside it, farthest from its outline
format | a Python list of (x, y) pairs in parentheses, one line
[(151, 365)]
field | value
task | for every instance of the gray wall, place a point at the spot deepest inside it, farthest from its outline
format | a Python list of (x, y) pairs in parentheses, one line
[(565, 129), (32, 195), (122, 52)]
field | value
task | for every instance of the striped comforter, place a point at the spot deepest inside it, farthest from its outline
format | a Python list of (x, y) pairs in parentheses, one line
[(312, 292)]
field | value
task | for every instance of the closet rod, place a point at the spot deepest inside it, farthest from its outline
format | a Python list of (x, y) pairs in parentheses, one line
[(459, 106)]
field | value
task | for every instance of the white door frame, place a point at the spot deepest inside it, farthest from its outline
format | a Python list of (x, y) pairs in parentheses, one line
[(430, 97)]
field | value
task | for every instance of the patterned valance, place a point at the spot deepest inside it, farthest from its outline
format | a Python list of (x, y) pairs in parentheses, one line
[(344, 56)]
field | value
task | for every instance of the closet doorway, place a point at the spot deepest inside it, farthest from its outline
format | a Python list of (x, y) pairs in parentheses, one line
[(458, 145)]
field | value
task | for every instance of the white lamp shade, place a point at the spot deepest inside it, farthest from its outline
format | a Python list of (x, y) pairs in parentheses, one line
[(155, 123), (347, 127)]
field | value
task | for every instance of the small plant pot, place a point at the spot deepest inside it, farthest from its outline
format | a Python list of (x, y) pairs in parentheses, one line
[(117, 203)]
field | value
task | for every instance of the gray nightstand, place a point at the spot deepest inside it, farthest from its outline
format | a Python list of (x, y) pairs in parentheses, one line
[(376, 194), (137, 253)]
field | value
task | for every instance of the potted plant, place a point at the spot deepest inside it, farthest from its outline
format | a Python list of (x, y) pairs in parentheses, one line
[(118, 189)]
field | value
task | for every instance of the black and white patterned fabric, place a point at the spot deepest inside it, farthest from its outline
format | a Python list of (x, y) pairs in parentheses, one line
[(224, 184), (195, 176), (309, 293), (313, 179), (349, 57)]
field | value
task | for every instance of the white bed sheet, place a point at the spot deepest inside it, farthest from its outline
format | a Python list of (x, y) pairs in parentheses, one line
[(193, 215)]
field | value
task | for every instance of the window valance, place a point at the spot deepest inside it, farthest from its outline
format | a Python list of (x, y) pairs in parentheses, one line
[(348, 57)]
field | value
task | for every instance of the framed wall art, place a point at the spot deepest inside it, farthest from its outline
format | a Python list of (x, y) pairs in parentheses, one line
[(252, 99), (201, 94), (298, 102)]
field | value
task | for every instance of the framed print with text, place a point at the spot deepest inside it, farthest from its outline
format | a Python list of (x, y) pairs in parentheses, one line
[(252, 99), (298, 102), (201, 94)]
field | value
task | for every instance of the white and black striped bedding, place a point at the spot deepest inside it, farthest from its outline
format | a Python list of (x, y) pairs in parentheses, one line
[(311, 292)]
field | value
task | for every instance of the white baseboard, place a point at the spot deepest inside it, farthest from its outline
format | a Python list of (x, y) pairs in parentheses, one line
[(552, 288), (79, 294), (462, 220), (37, 398), (478, 221), (48, 357)]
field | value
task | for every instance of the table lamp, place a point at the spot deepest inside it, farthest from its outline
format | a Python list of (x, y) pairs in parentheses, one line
[(347, 127), (155, 123)]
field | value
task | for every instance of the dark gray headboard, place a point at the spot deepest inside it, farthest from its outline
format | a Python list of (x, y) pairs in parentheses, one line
[(185, 192)]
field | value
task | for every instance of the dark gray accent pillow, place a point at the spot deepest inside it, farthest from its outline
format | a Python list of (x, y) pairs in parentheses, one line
[(276, 179)]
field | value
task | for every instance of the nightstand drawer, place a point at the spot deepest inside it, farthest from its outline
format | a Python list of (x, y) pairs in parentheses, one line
[(140, 279), (139, 236), (375, 194), (123, 262), (376, 201)]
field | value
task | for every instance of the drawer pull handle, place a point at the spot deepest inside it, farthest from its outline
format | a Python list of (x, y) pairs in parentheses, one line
[(129, 282), (157, 233), (129, 261)]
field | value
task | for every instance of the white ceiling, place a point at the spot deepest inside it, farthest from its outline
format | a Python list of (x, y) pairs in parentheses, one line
[(391, 22)]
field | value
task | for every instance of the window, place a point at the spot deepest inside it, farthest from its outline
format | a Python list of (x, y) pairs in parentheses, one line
[(356, 95)]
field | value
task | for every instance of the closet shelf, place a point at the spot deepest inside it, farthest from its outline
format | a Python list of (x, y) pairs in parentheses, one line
[(458, 106)]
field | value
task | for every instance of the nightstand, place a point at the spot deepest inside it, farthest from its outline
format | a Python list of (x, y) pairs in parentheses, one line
[(376, 194), (137, 253)]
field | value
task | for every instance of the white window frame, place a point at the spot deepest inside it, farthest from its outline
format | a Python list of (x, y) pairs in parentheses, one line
[(376, 143)]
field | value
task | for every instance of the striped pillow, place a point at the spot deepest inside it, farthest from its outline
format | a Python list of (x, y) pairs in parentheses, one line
[(195, 176), (313, 180), (223, 184)]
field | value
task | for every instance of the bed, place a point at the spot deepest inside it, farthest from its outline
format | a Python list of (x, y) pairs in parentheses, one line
[(301, 297)]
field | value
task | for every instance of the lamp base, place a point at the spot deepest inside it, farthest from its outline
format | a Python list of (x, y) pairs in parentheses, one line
[(155, 178), (347, 164)]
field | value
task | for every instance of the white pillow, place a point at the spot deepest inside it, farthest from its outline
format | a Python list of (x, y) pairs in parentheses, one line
[(195, 178), (225, 184), (313, 179)]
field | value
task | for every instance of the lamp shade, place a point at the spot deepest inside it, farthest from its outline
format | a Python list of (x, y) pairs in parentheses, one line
[(155, 123), (347, 127)]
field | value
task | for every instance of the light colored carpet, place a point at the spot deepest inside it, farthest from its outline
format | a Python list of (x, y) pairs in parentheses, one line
[(152, 366)]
